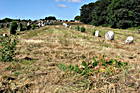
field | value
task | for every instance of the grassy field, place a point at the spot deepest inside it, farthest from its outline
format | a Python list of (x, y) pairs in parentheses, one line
[(40, 51)]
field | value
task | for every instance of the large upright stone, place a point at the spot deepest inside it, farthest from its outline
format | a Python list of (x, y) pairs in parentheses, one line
[(28, 24), (39, 24), (20, 27), (129, 40), (42, 24), (109, 35), (97, 33)]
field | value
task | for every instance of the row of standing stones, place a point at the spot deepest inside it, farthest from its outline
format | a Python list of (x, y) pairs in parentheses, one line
[(14, 27), (110, 36)]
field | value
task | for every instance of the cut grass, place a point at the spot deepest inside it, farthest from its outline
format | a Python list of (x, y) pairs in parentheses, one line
[(70, 47)]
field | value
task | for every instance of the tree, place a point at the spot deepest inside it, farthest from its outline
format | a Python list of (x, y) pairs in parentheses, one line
[(50, 18), (77, 18), (99, 12), (124, 13), (85, 13), (116, 13), (5, 20)]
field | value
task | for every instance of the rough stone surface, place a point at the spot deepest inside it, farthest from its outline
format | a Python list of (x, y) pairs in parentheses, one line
[(109, 35), (4, 35), (97, 33), (65, 25), (129, 40)]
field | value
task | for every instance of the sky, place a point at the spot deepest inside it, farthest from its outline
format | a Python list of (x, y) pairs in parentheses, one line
[(39, 9)]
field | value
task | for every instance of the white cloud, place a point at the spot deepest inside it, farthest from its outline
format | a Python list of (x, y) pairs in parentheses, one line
[(62, 5), (74, 1)]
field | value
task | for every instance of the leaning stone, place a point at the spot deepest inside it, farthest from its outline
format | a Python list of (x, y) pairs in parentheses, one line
[(129, 40), (109, 35)]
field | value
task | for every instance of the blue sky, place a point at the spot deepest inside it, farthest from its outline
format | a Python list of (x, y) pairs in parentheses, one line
[(37, 9)]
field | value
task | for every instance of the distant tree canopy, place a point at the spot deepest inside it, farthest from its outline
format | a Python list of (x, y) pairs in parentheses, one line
[(77, 18), (50, 18), (6, 20), (115, 13)]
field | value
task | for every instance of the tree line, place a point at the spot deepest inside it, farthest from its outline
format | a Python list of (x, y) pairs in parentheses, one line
[(113, 13)]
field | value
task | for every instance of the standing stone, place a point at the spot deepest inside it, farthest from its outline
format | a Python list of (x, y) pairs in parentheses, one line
[(20, 27), (97, 33), (129, 40), (109, 35), (138, 31), (39, 24), (42, 24), (65, 25), (4, 35), (1, 25), (28, 24)]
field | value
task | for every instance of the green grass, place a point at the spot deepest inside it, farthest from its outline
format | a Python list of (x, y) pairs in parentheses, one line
[(89, 68)]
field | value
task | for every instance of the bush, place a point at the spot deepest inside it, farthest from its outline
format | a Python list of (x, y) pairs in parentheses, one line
[(83, 29), (1, 26), (77, 28), (7, 48), (13, 27), (33, 26)]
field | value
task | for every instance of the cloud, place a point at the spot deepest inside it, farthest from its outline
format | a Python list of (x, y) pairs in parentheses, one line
[(62, 5), (73, 1)]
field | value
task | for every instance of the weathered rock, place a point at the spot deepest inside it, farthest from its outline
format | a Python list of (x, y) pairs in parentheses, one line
[(39, 24), (109, 35), (28, 23), (66, 25), (97, 33), (20, 27), (129, 40), (42, 24), (4, 35), (138, 31)]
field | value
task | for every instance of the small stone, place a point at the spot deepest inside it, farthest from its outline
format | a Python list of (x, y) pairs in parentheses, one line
[(4, 35), (129, 40), (66, 25)]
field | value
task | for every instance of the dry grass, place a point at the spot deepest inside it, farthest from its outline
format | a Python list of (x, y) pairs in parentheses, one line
[(40, 51)]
